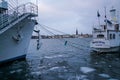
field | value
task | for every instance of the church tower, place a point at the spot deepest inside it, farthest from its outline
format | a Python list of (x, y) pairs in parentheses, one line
[(76, 31)]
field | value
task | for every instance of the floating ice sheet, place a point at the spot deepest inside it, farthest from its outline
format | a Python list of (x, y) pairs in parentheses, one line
[(55, 56), (86, 69), (104, 75), (58, 69), (36, 73)]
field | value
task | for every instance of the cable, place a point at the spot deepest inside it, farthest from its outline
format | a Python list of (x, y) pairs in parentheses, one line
[(63, 40), (54, 29), (60, 32), (46, 29)]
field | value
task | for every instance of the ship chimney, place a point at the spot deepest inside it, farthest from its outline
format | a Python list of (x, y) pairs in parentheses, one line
[(113, 15)]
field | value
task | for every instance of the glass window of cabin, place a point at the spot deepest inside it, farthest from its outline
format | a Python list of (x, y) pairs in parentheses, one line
[(113, 36), (104, 27), (100, 36), (117, 27), (110, 36)]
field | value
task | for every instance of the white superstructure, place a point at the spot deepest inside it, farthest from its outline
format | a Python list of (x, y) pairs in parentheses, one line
[(106, 38), (16, 27)]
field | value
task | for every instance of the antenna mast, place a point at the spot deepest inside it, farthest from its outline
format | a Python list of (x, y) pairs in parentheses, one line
[(105, 17)]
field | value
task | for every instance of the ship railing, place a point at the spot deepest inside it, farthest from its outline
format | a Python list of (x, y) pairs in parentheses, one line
[(15, 14), (96, 31), (101, 28), (22, 9)]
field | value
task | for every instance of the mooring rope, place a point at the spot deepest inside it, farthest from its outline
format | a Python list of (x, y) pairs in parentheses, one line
[(67, 42)]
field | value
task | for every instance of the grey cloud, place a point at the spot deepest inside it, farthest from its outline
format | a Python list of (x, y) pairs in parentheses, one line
[(71, 14)]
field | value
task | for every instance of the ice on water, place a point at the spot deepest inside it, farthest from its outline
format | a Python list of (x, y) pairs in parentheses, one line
[(55, 56), (104, 75), (78, 77), (36, 73), (19, 70), (54, 68), (58, 69), (86, 69)]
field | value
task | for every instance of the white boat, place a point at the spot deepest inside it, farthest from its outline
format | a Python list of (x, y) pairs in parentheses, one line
[(16, 27), (106, 37)]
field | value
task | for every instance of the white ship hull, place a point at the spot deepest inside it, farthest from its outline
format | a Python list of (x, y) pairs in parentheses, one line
[(10, 49), (106, 36), (102, 45), (106, 50)]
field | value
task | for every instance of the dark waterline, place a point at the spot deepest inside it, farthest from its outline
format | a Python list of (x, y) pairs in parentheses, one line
[(56, 61)]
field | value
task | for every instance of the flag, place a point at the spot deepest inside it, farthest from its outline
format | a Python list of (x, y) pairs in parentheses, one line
[(98, 14), (105, 13), (105, 16)]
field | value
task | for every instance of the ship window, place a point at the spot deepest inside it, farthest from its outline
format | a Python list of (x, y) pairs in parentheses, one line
[(113, 36), (104, 27), (110, 36), (117, 27), (100, 36)]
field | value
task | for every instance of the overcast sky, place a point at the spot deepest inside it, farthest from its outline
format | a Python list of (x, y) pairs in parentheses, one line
[(69, 15)]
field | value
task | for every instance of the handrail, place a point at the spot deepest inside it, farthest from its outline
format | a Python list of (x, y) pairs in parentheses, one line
[(16, 13), (24, 8)]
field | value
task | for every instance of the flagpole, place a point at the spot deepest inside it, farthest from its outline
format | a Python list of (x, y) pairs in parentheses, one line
[(106, 23), (98, 18), (105, 17), (99, 21)]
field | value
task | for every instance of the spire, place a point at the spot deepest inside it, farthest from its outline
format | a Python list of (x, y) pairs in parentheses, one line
[(76, 31), (98, 14)]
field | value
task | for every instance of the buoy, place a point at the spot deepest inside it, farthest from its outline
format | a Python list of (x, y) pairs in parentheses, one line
[(38, 46), (65, 43)]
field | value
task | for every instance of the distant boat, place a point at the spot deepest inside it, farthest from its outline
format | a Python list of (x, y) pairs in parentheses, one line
[(106, 38), (16, 27)]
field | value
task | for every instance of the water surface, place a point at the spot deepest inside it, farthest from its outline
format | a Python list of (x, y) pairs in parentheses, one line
[(57, 61)]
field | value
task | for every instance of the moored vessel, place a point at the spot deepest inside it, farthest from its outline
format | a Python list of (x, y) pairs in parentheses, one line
[(106, 37), (16, 27)]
